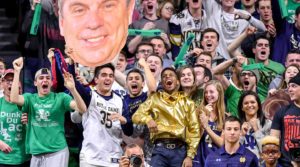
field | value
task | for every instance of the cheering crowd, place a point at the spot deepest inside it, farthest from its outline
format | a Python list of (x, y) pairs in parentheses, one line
[(218, 83)]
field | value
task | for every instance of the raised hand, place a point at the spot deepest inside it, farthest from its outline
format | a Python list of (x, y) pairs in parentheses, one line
[(68, 80), (34, 2), (142, 62), (18, 64), (250, 30), (196, 52)]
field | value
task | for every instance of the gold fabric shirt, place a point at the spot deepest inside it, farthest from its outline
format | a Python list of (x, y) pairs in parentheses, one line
[(175, 117)]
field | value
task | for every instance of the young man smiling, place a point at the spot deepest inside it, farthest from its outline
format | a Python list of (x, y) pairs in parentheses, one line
[(45, 138), (172, 121)]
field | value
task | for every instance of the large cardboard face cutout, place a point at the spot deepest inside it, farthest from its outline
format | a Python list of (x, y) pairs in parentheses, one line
[(95, 30)]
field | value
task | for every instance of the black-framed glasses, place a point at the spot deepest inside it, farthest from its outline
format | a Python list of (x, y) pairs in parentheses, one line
[(143, 51), (250, 74)]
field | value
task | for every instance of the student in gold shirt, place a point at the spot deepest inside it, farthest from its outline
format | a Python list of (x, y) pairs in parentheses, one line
[(171, 118)]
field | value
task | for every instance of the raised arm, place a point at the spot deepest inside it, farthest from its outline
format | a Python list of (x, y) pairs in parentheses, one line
[(232, 48), (120, 78), (78, 103), (133, 43), (14, 94), (150, 80)]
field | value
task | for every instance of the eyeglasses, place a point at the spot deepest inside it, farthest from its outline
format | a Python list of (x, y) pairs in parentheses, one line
[(268, 152), (170, 9), (250, 74), (8, 81), (143, 51)]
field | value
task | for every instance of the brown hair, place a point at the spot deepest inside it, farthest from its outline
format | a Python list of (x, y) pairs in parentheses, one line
[(161, 5), (283, 84)]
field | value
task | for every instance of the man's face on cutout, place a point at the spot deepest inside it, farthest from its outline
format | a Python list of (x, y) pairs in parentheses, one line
[(95, 30)]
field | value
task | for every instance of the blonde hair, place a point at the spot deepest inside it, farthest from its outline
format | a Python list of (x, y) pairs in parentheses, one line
[(220, 104), (270, 140)]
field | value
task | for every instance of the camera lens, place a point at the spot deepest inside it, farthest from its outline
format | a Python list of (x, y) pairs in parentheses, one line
[(135, 161)]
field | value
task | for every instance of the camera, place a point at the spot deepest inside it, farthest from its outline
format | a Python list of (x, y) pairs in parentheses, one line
[(135, 160), (295, 150)]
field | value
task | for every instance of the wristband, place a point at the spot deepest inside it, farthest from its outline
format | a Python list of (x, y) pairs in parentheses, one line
[(248, 18)]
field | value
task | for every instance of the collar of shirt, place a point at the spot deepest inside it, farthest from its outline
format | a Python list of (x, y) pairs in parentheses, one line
[(241, 150), (170, 97)]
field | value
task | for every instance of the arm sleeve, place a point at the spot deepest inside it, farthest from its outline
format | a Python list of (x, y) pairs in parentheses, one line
[(193, 136), (277, 120), (25, 107), (276, 14), (143, 113), (66, 101), (254, 161), (258, 24), (128, 127)]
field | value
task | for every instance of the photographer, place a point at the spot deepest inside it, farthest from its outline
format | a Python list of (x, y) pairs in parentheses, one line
[(133, 157)]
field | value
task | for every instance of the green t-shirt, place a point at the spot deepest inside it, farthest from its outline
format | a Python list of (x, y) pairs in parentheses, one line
[(267, 75), (288, 10), (233, 96), (45, 130), (12, 132)]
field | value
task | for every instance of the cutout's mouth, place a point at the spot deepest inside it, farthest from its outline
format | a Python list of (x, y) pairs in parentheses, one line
[(152, 70), (263, 52), (209, 45), (195, 1)]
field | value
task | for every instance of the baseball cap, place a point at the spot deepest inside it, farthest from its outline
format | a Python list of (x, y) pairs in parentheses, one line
[(255, 72), (42, 71), (8, 72)]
